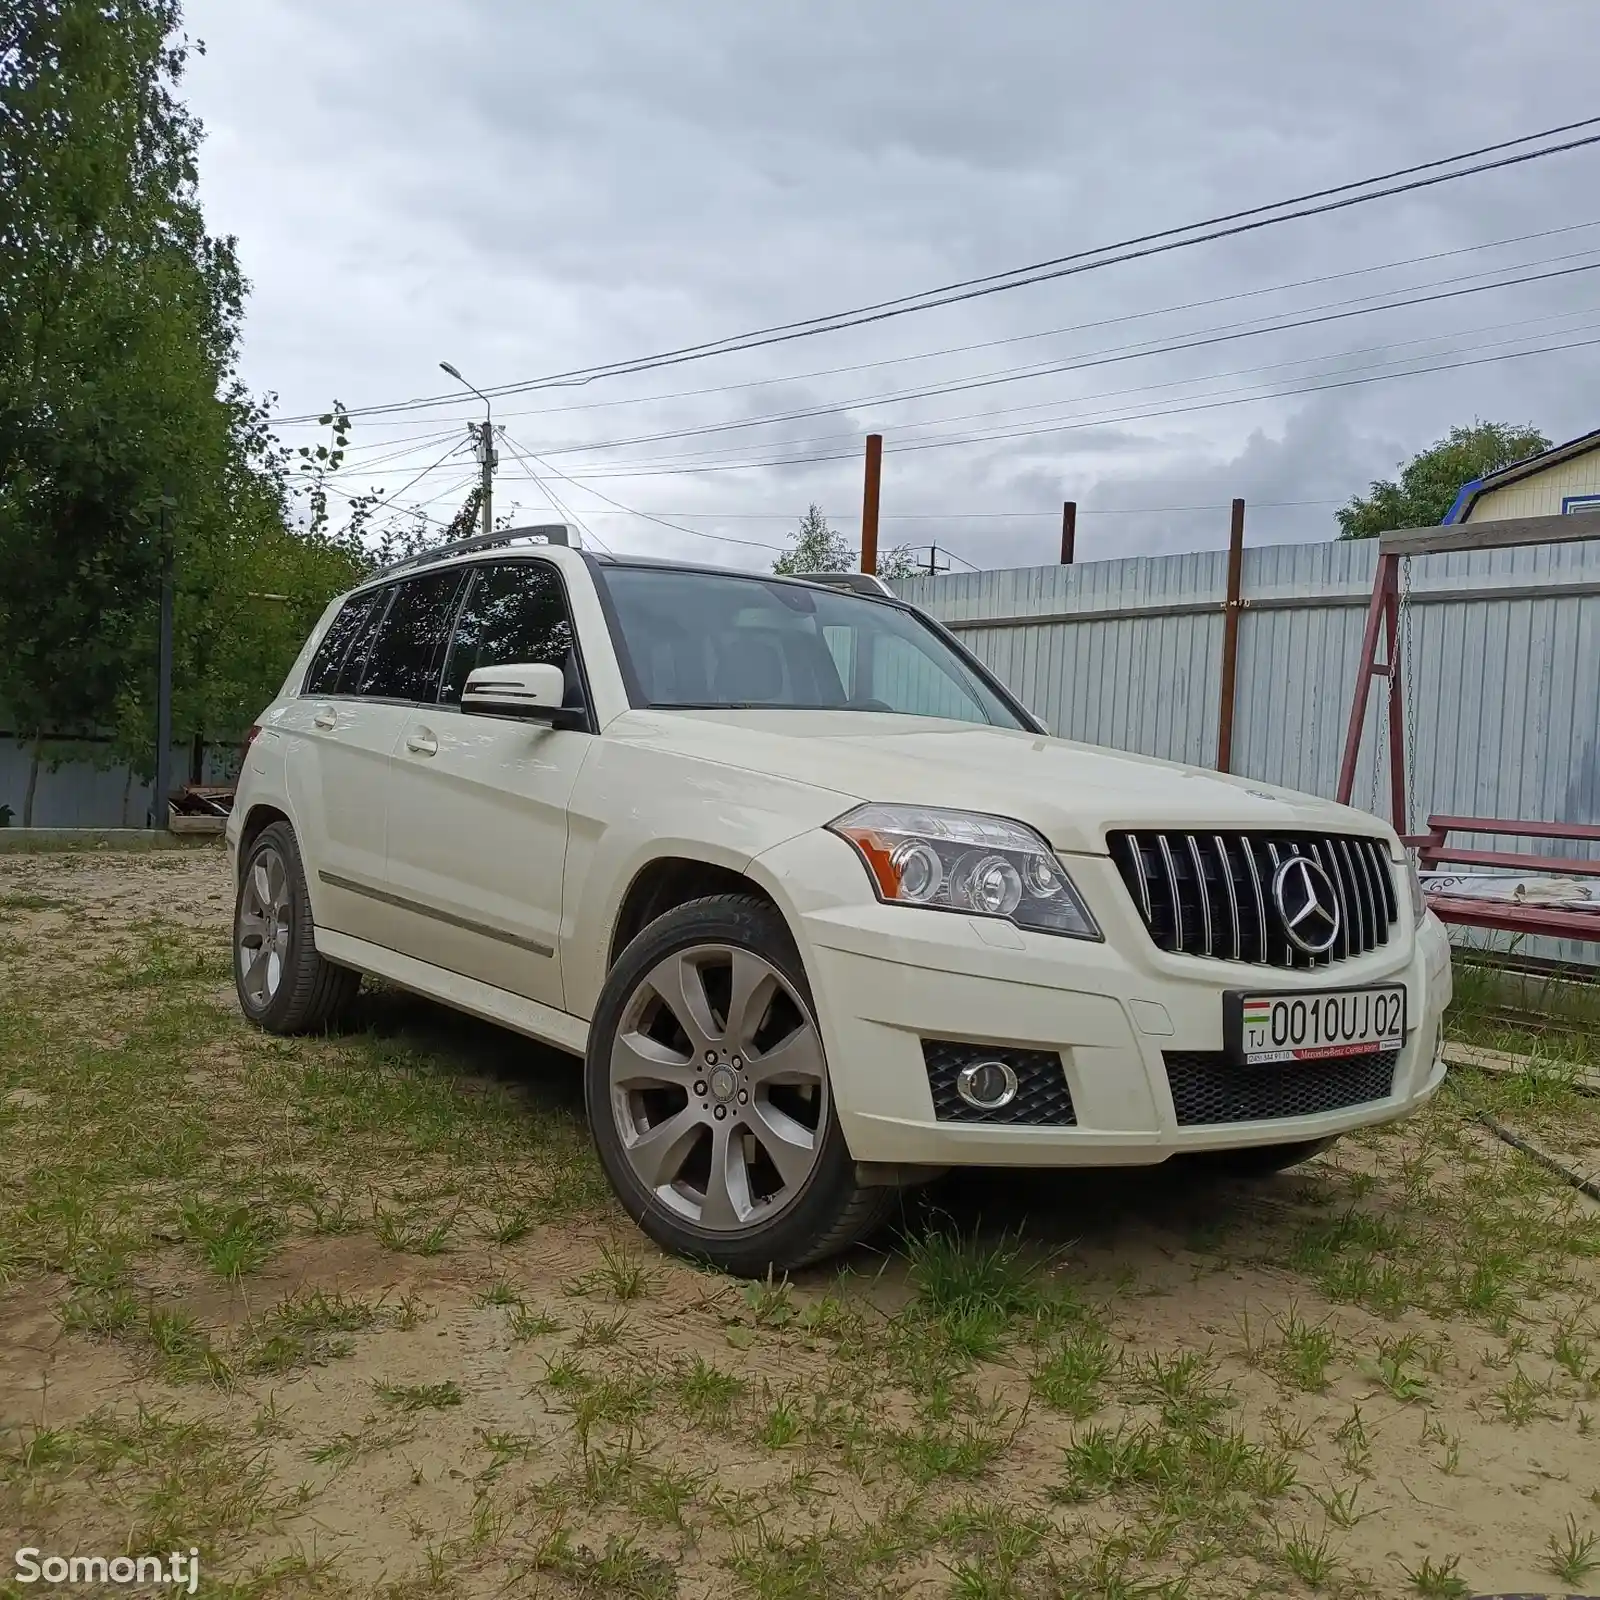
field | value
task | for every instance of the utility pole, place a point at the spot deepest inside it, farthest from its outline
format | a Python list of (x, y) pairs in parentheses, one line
[(488, 460), (1069, 531), (158, 809), (871, 483)]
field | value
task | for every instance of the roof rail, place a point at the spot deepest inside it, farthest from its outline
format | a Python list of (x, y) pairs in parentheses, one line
[(544, 533), (857, 582)]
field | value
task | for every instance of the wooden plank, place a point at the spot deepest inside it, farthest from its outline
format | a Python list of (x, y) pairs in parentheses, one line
[(1531, 866), (1491, 914), (1514, 828), (1502, 534), (1504, 1063)]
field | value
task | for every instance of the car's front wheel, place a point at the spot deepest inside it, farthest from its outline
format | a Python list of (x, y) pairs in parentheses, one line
[(709, 1098)]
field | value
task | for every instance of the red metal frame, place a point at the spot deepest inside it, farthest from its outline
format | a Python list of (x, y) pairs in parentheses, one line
[(1383, 615), (1433, 848), (1383, 621)]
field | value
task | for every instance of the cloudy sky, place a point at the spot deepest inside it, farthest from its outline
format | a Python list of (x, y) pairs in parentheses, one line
[(522, 188)]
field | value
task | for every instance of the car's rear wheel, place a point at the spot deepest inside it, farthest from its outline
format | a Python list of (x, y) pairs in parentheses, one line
[(283, 984), (709, 1098)]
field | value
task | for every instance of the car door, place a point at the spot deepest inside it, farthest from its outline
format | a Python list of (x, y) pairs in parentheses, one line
[(478, 807), (336, 762)]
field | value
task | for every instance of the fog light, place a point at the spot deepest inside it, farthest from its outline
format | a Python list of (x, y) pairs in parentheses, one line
[(987, 1085)]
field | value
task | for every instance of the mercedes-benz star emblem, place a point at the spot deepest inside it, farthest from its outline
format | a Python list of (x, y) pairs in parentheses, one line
[(1307, 903)]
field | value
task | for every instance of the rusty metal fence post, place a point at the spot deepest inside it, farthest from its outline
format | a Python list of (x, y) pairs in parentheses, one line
[(1069, 531), (871, 483), (1230, 638)]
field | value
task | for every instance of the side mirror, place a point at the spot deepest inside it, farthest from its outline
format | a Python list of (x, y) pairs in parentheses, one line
[(527, 691)]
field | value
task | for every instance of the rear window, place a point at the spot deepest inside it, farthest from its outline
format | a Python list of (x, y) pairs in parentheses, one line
[(323, 673)]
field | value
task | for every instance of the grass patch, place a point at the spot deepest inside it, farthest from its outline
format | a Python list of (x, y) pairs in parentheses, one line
[(420, 1396)]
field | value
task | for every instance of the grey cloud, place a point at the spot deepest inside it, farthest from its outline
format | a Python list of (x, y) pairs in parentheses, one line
[(522, 188)]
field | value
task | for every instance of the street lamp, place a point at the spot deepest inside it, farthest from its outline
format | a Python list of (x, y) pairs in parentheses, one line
[(486, 454)]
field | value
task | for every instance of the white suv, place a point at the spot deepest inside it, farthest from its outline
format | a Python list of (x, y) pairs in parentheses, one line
[(823, 908)]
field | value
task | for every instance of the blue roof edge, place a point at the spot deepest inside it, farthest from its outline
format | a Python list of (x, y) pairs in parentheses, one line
[(1462, 504)]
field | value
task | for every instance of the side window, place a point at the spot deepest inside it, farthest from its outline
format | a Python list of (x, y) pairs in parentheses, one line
[(355, 661), (323, 673), (403, 663), (514, 611)]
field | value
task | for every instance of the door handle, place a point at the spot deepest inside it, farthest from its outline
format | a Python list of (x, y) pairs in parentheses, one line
[(325, 717), (422, 743)]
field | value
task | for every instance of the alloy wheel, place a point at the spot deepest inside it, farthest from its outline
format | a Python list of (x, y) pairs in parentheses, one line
[(719, 1087), (265, 917)]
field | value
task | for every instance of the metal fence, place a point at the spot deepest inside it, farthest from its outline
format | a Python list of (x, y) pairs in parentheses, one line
[(1502, 649), (76, 791)]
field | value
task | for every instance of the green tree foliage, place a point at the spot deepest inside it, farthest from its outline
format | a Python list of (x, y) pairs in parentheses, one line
[(1431, 480), (123, 428), (818, 547)]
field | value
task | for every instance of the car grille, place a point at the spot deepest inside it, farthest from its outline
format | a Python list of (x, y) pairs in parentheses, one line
[(1207, 1089), (1210, 894), (1043, 1097)]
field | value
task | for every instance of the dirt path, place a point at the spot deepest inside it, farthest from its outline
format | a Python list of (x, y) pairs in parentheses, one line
[(356, 1316)]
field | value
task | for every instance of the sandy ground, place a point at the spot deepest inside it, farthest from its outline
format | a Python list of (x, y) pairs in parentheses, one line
[(499, 1388)]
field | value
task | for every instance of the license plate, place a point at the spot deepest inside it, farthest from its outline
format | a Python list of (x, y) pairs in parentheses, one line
[(1262, 1028)]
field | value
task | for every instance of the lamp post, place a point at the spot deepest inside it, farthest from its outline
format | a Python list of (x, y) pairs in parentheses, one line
[(484, 433)]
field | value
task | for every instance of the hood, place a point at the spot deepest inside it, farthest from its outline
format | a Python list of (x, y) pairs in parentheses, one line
[(1071, 793)]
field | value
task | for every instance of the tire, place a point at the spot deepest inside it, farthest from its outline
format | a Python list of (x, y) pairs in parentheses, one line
[(1262, 1160), (283, 985), (678, 1091)]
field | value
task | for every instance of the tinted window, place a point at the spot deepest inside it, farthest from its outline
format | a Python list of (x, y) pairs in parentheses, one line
[(355, 661), (709, 639), (323, 672), (515, 611), (403, 663)]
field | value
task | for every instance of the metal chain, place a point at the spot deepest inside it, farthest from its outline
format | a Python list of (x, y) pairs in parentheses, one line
[(1378, 747)]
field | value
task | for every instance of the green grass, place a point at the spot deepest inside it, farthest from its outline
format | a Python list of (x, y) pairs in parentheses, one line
[(1572, 1554), (992, 1413), (707, 1394), (619, 1570), (1071, 1376), (420, 1396), (1438, 1580)]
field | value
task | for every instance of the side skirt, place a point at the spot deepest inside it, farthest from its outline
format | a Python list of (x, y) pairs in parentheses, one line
[(514, 1011)]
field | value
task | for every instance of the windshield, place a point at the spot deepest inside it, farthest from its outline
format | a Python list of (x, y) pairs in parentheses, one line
[(706, 639)]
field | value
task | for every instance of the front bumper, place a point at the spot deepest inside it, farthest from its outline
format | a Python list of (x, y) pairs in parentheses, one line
[(884, 978)]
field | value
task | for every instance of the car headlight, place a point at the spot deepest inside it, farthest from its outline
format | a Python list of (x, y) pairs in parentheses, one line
[(1419, 903), (965, 861)]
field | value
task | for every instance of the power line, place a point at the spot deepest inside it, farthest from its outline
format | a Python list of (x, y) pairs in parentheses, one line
[(1110, 356), (1153, 388), (692, 463), (1226, 225), (1052, 515), (622, 471), (697, 533), (345, 494), (1043, 333), (550, 494), (1201, 340)]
